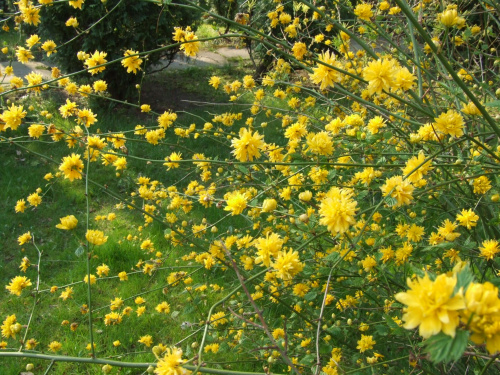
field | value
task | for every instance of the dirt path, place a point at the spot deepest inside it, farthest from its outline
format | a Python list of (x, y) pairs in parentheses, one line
[(205, 58)]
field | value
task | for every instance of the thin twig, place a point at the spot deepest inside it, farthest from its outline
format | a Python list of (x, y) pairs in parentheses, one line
[(259, 312)]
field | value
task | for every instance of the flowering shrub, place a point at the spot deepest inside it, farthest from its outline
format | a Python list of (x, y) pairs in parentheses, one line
[(353, 199)]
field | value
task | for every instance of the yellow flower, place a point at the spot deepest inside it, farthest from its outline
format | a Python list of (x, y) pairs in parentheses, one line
[(72, 167), (299, 49), (13, 116), (417, 168), (133, 64), (10, 327), (68, 293), (67, 223), (23, 55), (113, 318), (123, 276), (450, 123), (170, 160), (55, 346), (36, 130), (102, 270), (34, 199), (489, 249), (93, 279), (214, 82), (50, 47), (100, 86), (218, 319), (24, 238), (171, 363), (146, 340), (482, 315), (98, 58), (467, 218), (337, 210), (20, 205), (247, 146), (86, 117), (32, 40), (325, 75), (163, 308), (320, 143), (432, 305), (96, 237), (481, 185), (17, 284), (449, 17), (269, 205), (399, 189), (72, 22), (287, 265), (236, 202), (380, 75), (267, 247), (363, 11), (365, 343)]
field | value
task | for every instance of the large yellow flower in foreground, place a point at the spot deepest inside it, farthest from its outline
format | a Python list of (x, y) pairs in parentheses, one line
[(325, 75), (432, 305), (482, 315), (171, 363), (247, 146), (338, 210), (380, 76), (72, 167)]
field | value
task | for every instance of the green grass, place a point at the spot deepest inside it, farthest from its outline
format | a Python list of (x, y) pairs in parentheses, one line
[(62, 263)]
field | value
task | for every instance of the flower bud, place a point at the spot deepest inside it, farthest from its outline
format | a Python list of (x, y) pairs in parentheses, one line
[(269, 205)]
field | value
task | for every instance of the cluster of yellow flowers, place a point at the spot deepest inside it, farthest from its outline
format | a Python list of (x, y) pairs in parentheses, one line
[(437, 306)]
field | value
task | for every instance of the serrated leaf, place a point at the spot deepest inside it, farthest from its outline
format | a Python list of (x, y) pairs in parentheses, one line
[(79, 251), (332, 257), (310, 296), (242, 169), (444, 348), (391, 323), (382, 330), (175, 313)]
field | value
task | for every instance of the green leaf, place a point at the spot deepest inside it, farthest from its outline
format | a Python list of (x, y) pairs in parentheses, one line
[(242, 169), (382, 330), (310, 296), (79, 251), (494, 103), (332, 257), (464, 278), (444, 348)]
